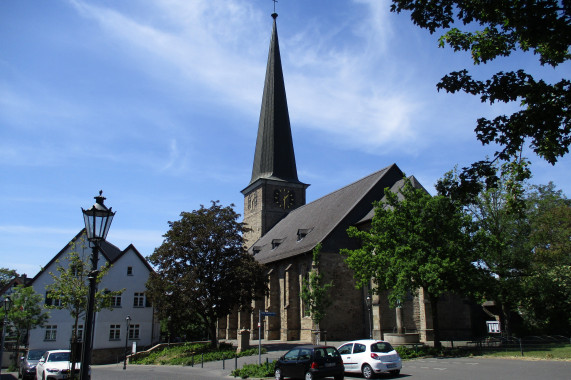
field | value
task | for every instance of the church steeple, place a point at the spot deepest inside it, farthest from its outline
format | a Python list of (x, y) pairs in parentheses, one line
[(274, 158), (274, 189)]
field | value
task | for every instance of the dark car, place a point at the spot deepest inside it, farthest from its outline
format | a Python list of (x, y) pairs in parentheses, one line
[(310, 362), (28, 362)]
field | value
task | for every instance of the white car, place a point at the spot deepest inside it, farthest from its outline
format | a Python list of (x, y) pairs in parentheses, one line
[(55, 365), (370, 357)]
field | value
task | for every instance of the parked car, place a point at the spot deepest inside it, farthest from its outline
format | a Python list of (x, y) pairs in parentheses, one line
[(310, 362), (370, 357), (55, 365), (28, 362)]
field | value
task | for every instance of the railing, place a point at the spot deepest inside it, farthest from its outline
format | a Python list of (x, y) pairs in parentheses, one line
[(515, 344)]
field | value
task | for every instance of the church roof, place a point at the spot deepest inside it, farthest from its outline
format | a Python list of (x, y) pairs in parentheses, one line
[(324, 220), (274, 157)]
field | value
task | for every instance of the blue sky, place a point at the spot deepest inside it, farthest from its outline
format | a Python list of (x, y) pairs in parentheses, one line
[(157, 104)]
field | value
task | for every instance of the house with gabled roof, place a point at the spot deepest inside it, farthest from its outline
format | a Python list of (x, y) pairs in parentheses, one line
[(283, 230), (129, 270)]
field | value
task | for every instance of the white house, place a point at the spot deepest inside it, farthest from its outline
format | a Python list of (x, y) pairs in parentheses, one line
[(129, 271)]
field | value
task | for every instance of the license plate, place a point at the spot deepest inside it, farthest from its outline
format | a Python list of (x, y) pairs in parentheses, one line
[(391, 365), (330, 364)]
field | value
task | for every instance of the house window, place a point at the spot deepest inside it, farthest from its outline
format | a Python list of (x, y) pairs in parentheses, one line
[(51, 333), (139, 300), (115, 332), (116, 301), (49, 301), (276, 243), (129, 271), (134, 332), (79, 335), (302, 232), (75, 270)]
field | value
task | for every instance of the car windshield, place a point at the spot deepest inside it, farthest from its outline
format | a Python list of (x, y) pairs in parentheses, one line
[(59, 357), (35, 354), (383, 347)]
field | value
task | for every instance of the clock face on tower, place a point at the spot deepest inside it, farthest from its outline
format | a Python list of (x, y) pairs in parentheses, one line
[(284, 198)]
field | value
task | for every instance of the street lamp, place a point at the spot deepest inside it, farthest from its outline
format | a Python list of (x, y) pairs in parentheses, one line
[(97, 220), (7, 305), (128, 319)]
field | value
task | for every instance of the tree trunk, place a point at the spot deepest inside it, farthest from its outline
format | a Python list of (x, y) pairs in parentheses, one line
[(435, 325), (213, 334)]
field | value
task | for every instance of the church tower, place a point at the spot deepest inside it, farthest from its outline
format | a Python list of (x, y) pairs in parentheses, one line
[(274, 189)]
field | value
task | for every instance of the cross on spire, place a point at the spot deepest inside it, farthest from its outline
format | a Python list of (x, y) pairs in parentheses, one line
[(275, 1)]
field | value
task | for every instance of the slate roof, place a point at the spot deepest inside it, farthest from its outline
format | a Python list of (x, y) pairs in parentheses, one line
[(324, 220), (274, 157), (108, 250), (395, 189)]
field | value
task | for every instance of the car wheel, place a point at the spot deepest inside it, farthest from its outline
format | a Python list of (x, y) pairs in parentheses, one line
[(308, 376), (395, 372), (367, 371), (278, 374)]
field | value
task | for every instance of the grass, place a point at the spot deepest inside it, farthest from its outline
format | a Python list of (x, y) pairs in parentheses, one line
[(191, 354), (547, 352), (552, 352)]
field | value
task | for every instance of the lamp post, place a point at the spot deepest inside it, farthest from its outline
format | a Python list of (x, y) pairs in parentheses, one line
[(369, 303), (128, 319), (7, 305), (97, 219)]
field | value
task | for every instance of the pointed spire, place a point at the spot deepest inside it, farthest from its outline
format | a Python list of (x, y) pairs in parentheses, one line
[(274, 157)]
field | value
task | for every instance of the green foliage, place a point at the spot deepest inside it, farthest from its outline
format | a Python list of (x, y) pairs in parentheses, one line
[(541, 27), (314, 292), (26, 312), (191, 354), (255, 370), (6, 275), (415, 241), (203, 265), (524, 252)]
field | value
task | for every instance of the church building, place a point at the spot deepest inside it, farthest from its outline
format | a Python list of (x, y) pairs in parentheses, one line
[(284, 230)]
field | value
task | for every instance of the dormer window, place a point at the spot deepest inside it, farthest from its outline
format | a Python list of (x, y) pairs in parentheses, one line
[(302, 232), (276, 243), (256, 249)]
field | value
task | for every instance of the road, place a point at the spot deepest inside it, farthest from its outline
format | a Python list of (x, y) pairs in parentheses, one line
[(424, 369)]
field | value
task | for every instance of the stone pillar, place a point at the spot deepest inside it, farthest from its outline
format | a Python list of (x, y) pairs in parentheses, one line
[(243, 340), (273, 324), (426, 332)]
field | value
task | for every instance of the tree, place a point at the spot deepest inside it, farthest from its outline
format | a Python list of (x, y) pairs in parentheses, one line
[(314, 293), (26, 312), (546, 302), (417, 242), (540, 26), (504, 254), (203, 266), (69, 289), (7, 275)]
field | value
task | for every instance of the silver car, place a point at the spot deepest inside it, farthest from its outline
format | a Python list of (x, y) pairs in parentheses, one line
[(28, 362), (370, 357)]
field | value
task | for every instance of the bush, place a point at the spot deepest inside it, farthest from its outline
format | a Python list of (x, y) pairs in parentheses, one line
[(255, 370)]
